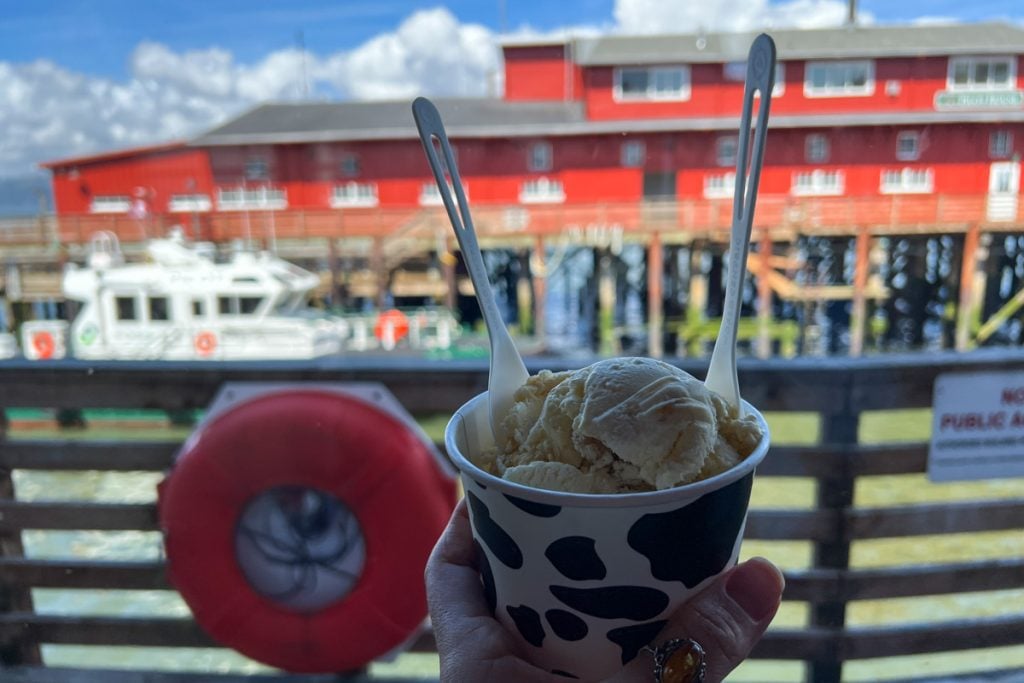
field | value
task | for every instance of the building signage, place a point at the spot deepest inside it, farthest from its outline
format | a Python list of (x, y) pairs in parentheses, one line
[(991, 99), (977, 426)]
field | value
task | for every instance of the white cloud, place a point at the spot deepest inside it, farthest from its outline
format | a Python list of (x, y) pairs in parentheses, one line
[(656, 16)]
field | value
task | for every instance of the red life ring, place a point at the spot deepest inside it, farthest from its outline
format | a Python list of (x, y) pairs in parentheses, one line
[(341, 448), (43, 344), (392, 325), (205, 343)]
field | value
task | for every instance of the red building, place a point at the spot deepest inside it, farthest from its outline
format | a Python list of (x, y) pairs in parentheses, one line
[(878, 126)]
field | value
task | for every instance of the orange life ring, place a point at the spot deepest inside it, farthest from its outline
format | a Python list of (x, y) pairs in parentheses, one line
[(392, 325), (205, 343), (306, 456), (43, 344)]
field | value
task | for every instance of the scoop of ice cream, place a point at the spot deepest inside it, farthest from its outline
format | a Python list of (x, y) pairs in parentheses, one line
[(619, 425)]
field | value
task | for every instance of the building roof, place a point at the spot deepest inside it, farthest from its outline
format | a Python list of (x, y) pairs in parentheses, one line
[(330, 121), (492, 118), (114, 155), (825, 43)]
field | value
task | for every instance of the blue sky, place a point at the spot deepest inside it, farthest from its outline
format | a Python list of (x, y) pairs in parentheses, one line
[(97, 36), (80, 76)]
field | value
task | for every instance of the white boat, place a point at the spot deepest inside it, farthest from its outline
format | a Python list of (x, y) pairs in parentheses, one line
[(184, 304)]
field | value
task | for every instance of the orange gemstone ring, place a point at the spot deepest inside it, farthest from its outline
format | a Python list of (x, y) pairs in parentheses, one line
[(679, 660)]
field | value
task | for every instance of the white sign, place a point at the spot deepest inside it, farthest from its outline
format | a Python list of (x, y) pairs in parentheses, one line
[(977, 426)]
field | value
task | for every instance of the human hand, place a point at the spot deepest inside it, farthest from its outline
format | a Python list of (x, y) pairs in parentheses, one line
[(727, 618)]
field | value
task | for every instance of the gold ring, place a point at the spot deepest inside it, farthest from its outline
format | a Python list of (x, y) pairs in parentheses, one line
[(679, 660)]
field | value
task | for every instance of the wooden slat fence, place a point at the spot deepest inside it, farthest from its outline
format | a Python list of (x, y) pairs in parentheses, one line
[(839, 391)]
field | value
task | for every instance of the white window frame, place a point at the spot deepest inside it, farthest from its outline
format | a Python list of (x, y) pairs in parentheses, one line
[(737, 73), (823, 183), (189, 203), (354, 194), (113, 203), (1006, 137), (633, 154), (723, 156), (906, 180), (261, 198), (972, 62), (431, 196), (719, 185), (542, 190), (909, 155), (814, 140), (810, 90), (539, 156), (652, 94)]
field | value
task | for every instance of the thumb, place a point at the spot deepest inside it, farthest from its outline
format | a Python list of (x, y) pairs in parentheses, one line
[(726, 619)]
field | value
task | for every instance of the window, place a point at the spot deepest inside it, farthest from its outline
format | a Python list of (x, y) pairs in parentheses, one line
[(431, 196), (110, 204), (725, 150), (238, 305), (224, 305), (633, 153), (719, 185), (354, 194), (350, 167), (198, 308), (906, 180), (247, 305), (982, 73), (256, 169), (1000, 144), (182, 203), (541, 190), (817, 182), (158, 308), (652, 83), (908, 145), (260, 198), (538, 156), (838, 79), (816, 148), (659, 185), (125, 307), (737, 72)]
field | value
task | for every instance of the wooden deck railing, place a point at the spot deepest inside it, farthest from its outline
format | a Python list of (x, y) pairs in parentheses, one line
[(839, 391)]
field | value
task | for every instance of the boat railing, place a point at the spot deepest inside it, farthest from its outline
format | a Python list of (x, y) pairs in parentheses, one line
[(826, 532)]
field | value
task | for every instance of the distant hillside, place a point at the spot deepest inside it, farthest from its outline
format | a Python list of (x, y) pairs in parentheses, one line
[(22, 196)]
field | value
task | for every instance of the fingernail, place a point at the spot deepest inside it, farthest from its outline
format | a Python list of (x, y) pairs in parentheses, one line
[(756, 586)]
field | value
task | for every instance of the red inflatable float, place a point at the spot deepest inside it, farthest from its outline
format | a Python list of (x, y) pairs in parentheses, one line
[(297, 525), (44, 345)]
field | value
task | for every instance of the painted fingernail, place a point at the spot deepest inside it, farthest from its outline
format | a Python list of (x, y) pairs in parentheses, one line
[(756, 586)]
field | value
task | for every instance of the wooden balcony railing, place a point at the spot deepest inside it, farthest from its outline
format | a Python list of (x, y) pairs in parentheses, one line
[(841, 394), (889, 213)]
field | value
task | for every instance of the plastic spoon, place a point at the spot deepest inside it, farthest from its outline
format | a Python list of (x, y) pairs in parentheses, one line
[(721, 376), (507, 372)]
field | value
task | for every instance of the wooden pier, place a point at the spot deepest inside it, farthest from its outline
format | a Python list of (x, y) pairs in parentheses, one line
[(841, 393)]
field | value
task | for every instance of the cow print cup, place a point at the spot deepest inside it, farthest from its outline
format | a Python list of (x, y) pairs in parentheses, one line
[(585, 581)]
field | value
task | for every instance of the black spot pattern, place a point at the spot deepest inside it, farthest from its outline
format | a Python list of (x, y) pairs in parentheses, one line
[(693, 542), (575, 558), (632, 638), (563, 674), (566, 625), (614, 602), (486, 576), (528, 622), (535, 509), (501, 545)]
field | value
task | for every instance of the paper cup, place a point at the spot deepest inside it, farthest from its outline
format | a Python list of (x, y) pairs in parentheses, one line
[(582, 581)]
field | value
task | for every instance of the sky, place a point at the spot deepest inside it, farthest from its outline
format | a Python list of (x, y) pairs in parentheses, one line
[(80, 76)]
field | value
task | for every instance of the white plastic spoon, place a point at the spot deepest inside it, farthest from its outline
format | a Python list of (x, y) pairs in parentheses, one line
[(507, 371), (721, 376)]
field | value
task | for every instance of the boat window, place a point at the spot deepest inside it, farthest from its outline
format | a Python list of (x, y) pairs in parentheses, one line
[(247, 280), (125, 307), (198, 308), (248, 304), (158, 309), (224, 305)]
